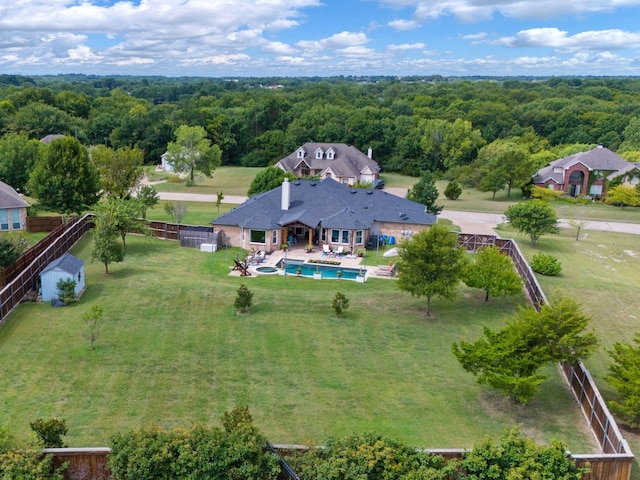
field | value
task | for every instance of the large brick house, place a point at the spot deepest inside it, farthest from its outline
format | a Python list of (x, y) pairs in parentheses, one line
[(321, 212), (341, 162), (586, 173)]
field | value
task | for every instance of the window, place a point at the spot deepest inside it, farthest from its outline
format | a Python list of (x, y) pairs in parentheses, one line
[(335, 236), (550, 186), (323, 235), (595, 190), (258, 236), (634, 180), (15, 218), (4, 221), (300, 153), (345, 236), (319, 154), (274, 238), (330, 154), (358, 237)]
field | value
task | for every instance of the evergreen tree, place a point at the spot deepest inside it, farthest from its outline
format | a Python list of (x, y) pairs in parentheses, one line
[(425, 192)]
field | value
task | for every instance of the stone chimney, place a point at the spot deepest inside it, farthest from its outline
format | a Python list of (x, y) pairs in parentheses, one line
[(286, 195), (370, 153)]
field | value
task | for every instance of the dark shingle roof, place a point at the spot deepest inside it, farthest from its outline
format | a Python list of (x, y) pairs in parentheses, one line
[(9, 198), (348, 160), (67, 263), (599, 158), (325, 203)]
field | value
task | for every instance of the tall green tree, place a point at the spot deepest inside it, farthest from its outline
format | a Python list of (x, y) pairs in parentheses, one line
[(431, 264), (268, 179), (492, 272), (122, 214), (508, 161), (64, 179), (120, 170), (192, 150), (18, 156), (107, 248), (510, 360), (533, 218), (624, 377), (424, 191)]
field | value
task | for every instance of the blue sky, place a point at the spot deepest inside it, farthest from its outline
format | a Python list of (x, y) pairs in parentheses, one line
[(229, 38)]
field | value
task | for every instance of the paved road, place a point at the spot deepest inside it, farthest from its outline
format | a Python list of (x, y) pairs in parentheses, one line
[(469, 222)]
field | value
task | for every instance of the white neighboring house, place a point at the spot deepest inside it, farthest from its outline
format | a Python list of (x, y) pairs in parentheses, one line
[(165, 164)]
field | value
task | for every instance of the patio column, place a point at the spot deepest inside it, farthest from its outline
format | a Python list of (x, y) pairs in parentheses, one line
[(310, 236)]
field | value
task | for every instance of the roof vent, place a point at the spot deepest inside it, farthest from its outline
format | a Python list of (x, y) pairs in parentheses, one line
[(313, 184), (297, 182), (369, 192), (354, 191)]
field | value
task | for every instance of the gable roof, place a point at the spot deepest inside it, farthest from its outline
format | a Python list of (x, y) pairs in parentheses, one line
[(348, 161), (51, 137), (599, 158), (325, 203), (67, 263), (9, 198)]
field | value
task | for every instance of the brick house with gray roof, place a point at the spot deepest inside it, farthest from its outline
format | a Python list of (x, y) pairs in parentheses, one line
[(321, 212), (586, 173), (341, 162)]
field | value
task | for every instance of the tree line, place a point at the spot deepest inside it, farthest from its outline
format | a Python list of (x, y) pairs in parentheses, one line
[(413, 125)]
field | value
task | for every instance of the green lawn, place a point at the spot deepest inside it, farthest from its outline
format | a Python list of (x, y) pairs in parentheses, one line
[(229, 180), (173, 351), (198, 213), (601, 271)]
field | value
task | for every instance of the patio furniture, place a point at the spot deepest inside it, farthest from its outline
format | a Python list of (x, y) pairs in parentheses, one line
[(242, 267), (326, 250), (386, 270), (340, 251)]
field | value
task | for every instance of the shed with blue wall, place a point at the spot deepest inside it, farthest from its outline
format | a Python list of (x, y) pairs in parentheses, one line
[(67, 267)]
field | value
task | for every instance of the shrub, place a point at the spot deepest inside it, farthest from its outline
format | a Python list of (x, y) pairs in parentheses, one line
[(624, 377), (546, 265), (453, 190), (67, 290), (340, 304), (11, 247), (545, 193), (197, 453), (50, 432), (244, 299)]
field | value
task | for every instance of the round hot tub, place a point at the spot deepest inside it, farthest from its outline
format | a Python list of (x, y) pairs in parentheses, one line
[(267, 270)]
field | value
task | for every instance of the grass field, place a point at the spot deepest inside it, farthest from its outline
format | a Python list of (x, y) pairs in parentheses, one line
[(601, 271), (173, 351), (229, 180)]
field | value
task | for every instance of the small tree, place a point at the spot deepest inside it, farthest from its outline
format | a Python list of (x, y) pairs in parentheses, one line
[(624, 377), (192, 150), (92, 319), (176, 210), (425, 192), (219, 198), (453, 190), (493, 272), (147, 198), (106, 247), (533, 218), (268, 179), (431, 264), (244, 300), (50, 432), (340, 304), (67, 290), (510, 359)]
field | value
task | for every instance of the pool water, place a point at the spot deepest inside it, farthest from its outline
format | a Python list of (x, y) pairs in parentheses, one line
[(327, 271)]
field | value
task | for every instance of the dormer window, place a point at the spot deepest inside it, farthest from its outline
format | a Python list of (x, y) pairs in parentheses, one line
[(330, 154), (319, 154), (300, 152)]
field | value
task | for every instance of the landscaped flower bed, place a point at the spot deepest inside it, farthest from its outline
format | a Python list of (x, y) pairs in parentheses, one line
[(324, 262)]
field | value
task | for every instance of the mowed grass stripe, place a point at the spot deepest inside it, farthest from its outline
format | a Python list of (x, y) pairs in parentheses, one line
[(173, 351)]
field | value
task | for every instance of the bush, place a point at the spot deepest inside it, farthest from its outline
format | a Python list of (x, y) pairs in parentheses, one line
[(624, 377), (197, 453), (50, 432), (453, 190), (545, 193), (244, 299), (546, 265), (67, 291)]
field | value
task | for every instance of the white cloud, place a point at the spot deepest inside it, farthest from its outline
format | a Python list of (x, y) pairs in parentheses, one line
[(407, 46), (334, 42), (554, 38), (278, 48), (477, 10), (404, 25)]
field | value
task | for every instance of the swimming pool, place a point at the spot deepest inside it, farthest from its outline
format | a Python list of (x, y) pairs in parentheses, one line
[(326, 271)]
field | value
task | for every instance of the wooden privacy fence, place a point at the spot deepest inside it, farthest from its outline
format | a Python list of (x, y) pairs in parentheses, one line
[(55, 246), (43, 224), (614, 463)]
